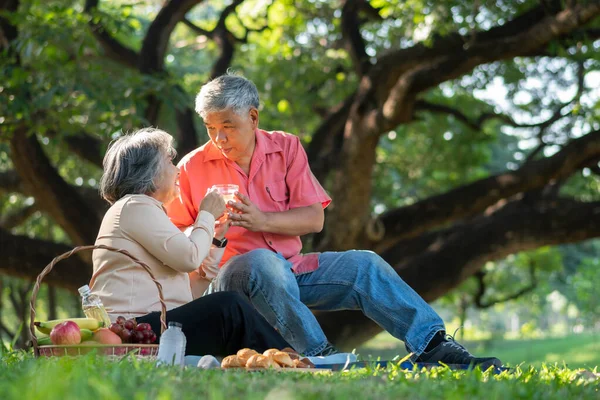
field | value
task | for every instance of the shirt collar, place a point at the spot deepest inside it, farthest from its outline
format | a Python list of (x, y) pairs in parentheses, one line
[(264, 145)]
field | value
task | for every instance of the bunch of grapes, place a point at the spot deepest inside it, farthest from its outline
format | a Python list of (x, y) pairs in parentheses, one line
[(131, 332)]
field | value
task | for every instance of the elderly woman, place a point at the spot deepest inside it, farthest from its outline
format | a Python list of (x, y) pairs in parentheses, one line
[(139, 178)]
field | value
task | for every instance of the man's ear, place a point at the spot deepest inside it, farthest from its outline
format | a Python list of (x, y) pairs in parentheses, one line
[(253, 114)]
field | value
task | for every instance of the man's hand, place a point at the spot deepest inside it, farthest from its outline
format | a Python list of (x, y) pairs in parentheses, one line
[(246, 214)]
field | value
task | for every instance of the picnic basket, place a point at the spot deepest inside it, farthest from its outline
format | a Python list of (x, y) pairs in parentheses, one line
[(140, 350)]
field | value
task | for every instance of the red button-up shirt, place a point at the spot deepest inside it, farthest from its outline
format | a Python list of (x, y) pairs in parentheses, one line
[(280, 179)]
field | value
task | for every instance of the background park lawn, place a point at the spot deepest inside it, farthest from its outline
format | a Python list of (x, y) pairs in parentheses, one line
[(576, 351), (92, 377), (454, 143)]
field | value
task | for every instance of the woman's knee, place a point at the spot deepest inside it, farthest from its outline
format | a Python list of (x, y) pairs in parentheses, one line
[(231, 299)]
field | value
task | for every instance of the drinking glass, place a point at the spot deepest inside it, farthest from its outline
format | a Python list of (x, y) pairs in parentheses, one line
[(226, 190)]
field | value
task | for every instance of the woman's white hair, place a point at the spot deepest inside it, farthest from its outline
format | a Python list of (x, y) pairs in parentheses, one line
[(133, 162)]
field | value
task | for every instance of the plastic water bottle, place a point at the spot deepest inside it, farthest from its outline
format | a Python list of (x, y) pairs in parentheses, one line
[(171, 350), (92, 306)]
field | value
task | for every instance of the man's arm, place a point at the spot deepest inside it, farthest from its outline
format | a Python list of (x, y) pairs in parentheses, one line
[(295, 222)]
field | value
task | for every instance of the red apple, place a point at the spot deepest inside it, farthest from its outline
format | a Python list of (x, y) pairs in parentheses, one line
[(67, 332)]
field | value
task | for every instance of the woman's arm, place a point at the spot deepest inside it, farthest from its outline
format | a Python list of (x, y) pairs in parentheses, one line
[(148, 224)]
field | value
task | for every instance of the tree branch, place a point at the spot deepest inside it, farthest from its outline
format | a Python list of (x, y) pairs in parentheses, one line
[(478, 298), (114, 49), (441, 209), (405, 73), (386, 95), (196, 29), (326, 144), (465, 248), (8, 32), (84, 145), (517, 227), (489, 46), (10, 182), (353, 40), (225, 41), (87, 147), (52, 193), (477, 124), (154, 45), (25, 257), (17, 218), (558, 114)]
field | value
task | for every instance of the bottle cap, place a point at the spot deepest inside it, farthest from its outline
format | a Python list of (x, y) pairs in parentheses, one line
[(84, 290), (175, 324)]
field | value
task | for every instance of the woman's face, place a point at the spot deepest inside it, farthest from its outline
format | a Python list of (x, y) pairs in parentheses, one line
[(167, 183)]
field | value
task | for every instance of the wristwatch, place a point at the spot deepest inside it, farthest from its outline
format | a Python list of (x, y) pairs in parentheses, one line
[(219, 243)]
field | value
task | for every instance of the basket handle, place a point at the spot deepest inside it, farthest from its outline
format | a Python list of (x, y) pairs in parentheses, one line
[(46, 271)]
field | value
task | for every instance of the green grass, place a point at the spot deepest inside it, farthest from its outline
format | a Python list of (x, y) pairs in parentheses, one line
[(92, 377), (576, 351)]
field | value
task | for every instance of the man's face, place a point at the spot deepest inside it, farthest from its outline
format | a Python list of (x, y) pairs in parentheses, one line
[(233, 134)]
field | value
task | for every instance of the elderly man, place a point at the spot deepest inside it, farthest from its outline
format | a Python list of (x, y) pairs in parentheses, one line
[(279, 201)]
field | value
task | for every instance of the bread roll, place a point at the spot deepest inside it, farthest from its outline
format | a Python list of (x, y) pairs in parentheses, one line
[(261, 361), (283, 359), (304, 363), (299, 364), (294, 355), (273, 364), (289, 350), (245, 354), (258, 361), (232, 362), (270, 352), (307, 362)]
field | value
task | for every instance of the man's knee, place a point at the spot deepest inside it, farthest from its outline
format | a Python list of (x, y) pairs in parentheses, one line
[(259, 265), (365, 262)]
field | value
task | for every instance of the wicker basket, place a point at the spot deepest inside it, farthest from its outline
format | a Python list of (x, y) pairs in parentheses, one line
[(140, 350)]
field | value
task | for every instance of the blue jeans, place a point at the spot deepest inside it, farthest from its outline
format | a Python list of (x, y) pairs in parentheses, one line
[(350, 280)]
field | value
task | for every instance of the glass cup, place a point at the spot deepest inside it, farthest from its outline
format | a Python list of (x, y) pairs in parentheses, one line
[(226, 190)]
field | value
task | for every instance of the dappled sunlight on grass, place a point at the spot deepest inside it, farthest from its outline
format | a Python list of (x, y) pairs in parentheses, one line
[(576, 351), (23, 377)]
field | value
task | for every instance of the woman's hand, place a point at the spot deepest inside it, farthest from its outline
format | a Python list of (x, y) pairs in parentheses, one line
[(221, 227), (213, 203)]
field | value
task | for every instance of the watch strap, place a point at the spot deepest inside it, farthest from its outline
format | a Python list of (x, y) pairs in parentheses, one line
[(219, 243)]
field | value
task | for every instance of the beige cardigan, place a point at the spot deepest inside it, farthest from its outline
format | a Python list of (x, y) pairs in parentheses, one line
[(140, 225)]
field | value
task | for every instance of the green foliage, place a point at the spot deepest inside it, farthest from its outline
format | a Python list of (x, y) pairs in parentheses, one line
[(21, 376), (67, 305), (431, 155)]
